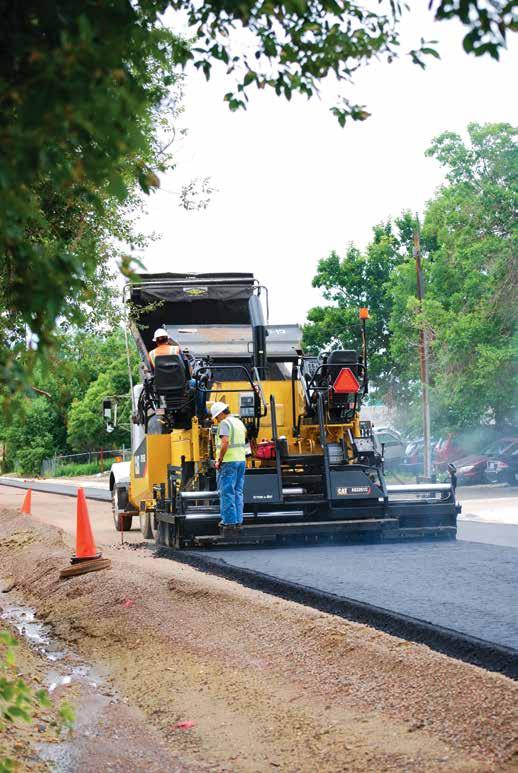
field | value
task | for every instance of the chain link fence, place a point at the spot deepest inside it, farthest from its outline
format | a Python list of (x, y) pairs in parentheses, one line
[(87, 463)]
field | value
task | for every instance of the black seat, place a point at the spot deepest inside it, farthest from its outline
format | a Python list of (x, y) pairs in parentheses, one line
[(171, 380), (341, 358)]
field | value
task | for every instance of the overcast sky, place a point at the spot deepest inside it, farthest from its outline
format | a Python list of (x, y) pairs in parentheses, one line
[(292, 185)]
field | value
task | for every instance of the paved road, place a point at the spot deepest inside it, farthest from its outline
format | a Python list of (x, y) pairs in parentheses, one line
[(92, 490), (491, 504), (466, 586), (489, 533)]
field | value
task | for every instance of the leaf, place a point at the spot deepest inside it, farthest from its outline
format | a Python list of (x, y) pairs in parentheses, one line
[(43, 698), (431, 52), (67, 715)]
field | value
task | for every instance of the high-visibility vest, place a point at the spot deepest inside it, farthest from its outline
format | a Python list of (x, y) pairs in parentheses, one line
[(236, 451), (162, 351)]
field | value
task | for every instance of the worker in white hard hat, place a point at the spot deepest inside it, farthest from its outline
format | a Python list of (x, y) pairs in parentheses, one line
[(164, 345), (230, 463)]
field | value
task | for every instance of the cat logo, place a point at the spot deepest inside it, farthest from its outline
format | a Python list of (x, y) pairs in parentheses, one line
[(196, 291), (346, 491)]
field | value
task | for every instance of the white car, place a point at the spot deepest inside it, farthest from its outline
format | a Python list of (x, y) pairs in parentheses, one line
[(393, 444)]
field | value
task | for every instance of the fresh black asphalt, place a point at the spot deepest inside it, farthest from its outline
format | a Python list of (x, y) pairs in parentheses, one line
[(466, 586)]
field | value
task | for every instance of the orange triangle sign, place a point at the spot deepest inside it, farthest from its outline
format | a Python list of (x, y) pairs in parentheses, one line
[(346, 382)]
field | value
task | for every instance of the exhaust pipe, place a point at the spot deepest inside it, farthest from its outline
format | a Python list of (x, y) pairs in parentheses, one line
[(258, 333)]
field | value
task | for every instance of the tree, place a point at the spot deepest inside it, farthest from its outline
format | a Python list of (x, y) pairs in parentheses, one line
[(32, 434), (469, 244), (81, 369), (472, 305), (80, 88), (291, 46), (86, 427), (82, 84), (471, 276), (362, 280)]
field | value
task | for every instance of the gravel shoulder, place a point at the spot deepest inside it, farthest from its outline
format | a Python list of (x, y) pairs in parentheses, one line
[(270, 684)]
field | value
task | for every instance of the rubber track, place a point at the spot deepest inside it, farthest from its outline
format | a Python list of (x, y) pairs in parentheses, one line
[(469, 649)]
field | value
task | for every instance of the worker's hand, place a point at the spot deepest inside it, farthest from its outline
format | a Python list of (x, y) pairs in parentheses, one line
[(218, 464)]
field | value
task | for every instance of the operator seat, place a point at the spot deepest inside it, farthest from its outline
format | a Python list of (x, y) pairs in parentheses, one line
[(171, 381), (341, 358)]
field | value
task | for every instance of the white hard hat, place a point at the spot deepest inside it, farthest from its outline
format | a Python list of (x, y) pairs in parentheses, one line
[(217, 408), (160, 333)]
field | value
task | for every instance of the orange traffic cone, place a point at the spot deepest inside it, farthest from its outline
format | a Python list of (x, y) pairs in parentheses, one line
[(85, 543), (26, 506)]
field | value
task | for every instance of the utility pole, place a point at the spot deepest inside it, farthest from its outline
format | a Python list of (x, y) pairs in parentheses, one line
[(423, 353)]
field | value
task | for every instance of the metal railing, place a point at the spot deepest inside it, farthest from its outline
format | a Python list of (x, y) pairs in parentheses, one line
[(102, 460)]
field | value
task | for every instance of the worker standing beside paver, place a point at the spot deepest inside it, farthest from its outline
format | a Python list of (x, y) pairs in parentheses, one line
[(230, 464)]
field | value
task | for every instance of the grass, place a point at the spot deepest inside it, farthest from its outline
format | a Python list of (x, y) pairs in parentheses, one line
[(87, 468)]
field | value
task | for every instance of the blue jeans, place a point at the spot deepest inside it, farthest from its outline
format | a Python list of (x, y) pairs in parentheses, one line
[(231, 481)]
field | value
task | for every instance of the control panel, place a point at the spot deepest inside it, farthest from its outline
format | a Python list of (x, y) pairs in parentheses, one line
[(246, 404)]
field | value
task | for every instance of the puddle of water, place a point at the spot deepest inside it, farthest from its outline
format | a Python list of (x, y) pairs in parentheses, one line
[(64, 755), (24, 620)]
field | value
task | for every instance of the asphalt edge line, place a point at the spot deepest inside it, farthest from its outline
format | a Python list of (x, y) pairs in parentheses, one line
[(469, 649)]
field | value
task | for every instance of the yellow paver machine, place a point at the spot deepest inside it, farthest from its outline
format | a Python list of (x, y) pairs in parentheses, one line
[(314, 470)]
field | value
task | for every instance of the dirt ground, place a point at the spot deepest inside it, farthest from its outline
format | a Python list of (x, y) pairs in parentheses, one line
[(269, 684)]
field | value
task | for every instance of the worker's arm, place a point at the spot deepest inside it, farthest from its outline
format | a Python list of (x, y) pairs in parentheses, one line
[(222, 451)]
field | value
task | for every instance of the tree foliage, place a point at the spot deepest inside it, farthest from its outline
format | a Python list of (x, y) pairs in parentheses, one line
[(469, 246), (85, 420), (361, 279), (85, 90), (65, 414), (472, 305), (292, 45), (80, 87)]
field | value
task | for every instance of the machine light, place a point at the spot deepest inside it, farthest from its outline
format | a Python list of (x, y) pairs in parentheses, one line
[(364, 312), (346, 382)]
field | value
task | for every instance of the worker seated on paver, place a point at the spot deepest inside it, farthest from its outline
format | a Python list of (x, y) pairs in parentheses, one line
[(164, 346), (230, 464)]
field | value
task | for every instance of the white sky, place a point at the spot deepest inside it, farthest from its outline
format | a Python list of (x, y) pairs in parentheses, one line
[(292, 185)]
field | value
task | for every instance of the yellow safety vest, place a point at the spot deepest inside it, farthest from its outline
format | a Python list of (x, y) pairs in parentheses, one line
[(236, 451), (162, 351)]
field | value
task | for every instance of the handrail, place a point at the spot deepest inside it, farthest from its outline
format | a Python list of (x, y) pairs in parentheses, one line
[(254, 388), (408, 488)]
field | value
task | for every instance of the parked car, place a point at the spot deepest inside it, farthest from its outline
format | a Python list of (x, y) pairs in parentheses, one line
[(413, 461), (471, 469), (502, 463), (446, 450), (393, 445)]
